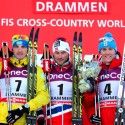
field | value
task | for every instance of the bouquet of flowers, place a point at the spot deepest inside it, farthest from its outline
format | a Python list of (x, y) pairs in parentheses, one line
[(87, 74)]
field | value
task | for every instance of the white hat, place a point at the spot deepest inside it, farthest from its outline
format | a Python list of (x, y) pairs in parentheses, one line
[(61, 45)]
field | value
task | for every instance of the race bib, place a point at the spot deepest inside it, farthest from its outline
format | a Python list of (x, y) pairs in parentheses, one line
[(108, 91), (18, 90), (61, 92)]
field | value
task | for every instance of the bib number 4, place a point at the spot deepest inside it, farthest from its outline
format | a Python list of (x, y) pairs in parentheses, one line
[(107, 89)]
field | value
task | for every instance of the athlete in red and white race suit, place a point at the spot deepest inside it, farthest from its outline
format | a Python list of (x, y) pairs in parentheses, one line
[(59, 112), (108, 84), (108, 79)]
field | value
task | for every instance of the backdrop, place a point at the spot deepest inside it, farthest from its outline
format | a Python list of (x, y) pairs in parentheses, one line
[(62, 19)]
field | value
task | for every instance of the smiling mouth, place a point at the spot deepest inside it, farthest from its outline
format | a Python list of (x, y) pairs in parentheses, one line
[(19, 53), (60, 59)]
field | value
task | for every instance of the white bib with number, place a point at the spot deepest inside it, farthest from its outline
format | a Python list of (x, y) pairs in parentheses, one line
[(18, 89), (61, 92), (108, 91)]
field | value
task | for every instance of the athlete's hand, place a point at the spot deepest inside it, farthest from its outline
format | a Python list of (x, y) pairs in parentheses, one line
[(15, 114), (95, 119), (84, 86), (40, 117)]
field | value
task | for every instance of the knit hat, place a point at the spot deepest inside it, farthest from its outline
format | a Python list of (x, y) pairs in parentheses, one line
[(107, 41), (20, 40), (61, 44)]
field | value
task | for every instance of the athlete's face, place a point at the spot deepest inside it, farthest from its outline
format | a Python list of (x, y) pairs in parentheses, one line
[(60, 57), (108, 54), (19, 51)]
